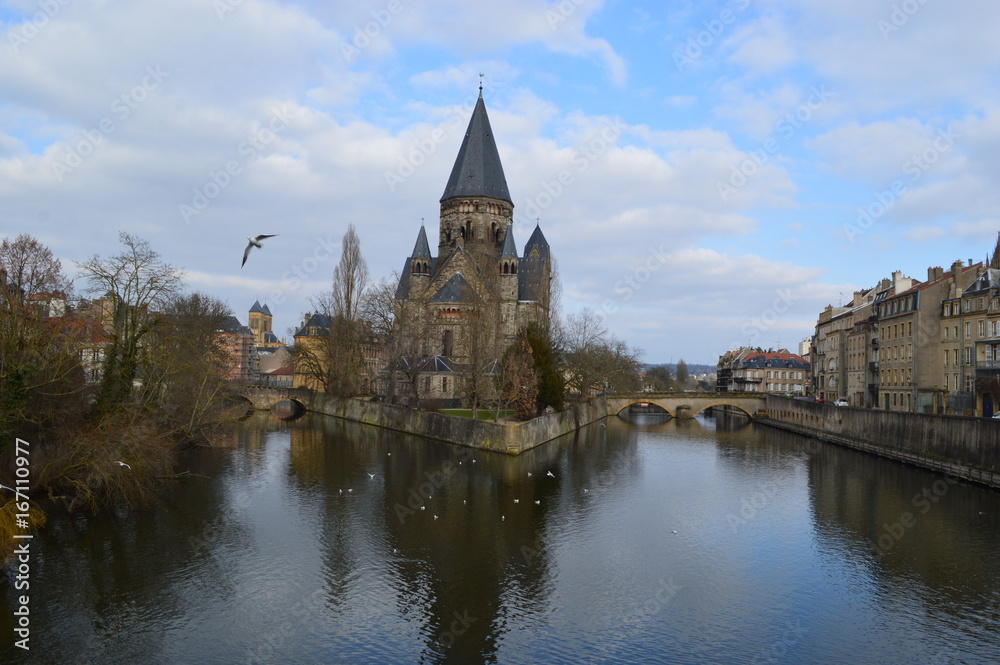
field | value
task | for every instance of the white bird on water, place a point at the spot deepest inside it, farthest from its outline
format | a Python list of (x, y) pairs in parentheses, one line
[(120, 463), (550, 474), (254, 242)]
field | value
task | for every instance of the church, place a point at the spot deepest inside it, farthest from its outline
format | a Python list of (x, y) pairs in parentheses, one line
[(466, 305)]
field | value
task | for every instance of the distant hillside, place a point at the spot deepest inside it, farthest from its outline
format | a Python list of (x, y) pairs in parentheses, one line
[(693, 369)]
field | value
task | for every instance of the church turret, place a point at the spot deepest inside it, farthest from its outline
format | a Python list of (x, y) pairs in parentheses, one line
[(508, 266), (420, 261)]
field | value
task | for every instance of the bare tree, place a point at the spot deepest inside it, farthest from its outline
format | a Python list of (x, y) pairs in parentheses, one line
[(350, 277), (134, 285), (595, 359), (41, 380), (396, 333), (335, 360), (185, 368)]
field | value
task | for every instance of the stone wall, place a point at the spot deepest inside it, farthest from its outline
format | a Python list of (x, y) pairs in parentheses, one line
[(507, 438), (962, 446)]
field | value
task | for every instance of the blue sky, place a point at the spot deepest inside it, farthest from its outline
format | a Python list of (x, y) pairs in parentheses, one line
[(716, 158)]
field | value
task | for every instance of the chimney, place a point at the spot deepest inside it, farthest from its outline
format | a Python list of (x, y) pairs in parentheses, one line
[(935, 273), (956, 267), (900, 282)]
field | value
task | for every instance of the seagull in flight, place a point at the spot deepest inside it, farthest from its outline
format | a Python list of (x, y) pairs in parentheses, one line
[(254, 242), (550, 474), (120, 463)]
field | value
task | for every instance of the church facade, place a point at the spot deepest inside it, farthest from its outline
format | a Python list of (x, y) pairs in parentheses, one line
[(467, 303)]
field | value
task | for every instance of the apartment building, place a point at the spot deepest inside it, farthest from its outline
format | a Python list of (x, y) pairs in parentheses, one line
[(915, 357), (754, 370)]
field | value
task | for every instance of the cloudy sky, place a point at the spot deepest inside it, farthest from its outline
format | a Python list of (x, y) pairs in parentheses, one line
[(707, 173)]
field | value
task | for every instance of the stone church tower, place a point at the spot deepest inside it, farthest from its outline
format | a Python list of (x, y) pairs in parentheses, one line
[(467, 304)]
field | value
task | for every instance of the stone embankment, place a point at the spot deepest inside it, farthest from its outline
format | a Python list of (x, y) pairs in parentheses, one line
[(510, 438), (961, 446)]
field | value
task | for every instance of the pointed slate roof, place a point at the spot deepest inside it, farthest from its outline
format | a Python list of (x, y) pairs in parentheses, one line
[(538, 240), (265, 310), (421, 250), (509, 249), (477, 170), (454, 290), (256, 307)]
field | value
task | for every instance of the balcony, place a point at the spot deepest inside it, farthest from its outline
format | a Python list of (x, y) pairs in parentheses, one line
[(988, 364)]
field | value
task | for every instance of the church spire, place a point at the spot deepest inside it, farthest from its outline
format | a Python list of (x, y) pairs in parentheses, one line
[(421, 250), (477, 170)]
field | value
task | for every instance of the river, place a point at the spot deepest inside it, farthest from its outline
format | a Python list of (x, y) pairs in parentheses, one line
[(697, 541)]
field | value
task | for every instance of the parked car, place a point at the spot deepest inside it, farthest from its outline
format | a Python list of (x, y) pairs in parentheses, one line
[(996, 416), (840, 402)]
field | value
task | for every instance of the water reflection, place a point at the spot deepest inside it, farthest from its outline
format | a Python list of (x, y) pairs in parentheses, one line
[(663, 540)]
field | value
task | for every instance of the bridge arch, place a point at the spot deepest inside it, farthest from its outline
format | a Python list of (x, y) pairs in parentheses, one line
[(689, 404)]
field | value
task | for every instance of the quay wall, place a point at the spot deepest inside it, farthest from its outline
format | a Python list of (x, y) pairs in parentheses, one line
[(962, 446), (510, 438)]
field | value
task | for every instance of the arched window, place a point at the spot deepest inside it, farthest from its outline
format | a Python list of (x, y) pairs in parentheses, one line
[(446, 343)]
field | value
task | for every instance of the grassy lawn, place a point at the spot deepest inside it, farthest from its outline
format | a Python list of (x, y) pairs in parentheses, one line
[(480, 413)]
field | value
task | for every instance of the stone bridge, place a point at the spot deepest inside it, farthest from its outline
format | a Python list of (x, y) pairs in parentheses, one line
[(688, 405), (263, 398)]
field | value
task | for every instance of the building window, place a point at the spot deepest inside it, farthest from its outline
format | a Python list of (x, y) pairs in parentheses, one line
[(968, 328), (982, 328), (946, 383), (968, 355), (446, 343), (444, 384)]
